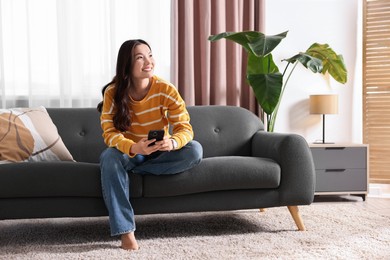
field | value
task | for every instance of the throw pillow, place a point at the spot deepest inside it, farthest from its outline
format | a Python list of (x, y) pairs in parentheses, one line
[(29, 134)]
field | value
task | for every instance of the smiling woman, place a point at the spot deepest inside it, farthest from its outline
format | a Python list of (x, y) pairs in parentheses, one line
[(60, 53)]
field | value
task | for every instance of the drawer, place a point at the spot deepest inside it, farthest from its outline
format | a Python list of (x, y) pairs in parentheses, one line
[(339, 157), (341, 180)]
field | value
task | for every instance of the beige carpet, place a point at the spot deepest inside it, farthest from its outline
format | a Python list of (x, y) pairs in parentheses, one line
[(335, 231)]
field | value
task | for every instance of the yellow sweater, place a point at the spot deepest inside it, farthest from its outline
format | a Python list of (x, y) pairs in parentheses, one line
[(162, 106)]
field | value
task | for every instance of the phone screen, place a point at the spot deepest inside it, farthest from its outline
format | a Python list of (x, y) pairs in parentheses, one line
[(156, 134)]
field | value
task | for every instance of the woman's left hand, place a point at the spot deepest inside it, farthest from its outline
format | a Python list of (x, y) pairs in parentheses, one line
[(165, 144)]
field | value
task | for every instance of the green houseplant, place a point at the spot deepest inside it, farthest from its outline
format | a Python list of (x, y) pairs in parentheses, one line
[(263, 74)]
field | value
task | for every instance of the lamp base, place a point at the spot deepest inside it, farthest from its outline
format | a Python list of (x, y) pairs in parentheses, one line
[(321, 142), (323, 133)]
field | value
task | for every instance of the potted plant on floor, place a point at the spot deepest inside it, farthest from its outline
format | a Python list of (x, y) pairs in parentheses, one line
[(263, 74)]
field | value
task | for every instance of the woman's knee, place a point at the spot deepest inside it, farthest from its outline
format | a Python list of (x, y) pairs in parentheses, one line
[(110, 155), (196, 150)]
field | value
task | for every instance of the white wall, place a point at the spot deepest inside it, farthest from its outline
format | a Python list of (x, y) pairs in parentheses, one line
[(338, 23)]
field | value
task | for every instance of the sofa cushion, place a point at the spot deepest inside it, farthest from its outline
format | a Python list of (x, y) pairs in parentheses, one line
[(55, 179), (28, 134), (216, 174)]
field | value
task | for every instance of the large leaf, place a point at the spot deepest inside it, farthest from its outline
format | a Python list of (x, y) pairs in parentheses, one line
[(242, 38), (312, 63), (266, 81), (267, 88), (252, 41), (261, 65), (332, 63)]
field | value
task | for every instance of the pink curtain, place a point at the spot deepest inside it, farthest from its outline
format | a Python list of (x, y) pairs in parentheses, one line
[(213, 73)]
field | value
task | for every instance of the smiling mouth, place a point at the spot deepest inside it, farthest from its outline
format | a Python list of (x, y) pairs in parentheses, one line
[(148, 69)]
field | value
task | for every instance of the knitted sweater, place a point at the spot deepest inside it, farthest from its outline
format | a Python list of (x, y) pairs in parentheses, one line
[(161, 106)]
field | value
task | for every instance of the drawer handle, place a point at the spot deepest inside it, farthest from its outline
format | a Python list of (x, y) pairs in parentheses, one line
[(334, 148), (335, 170)]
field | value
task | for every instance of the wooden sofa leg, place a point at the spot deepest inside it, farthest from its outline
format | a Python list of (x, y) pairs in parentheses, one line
[(262, 210), (294, 211)]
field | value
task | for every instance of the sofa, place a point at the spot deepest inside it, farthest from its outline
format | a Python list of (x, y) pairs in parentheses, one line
[(244, 167)]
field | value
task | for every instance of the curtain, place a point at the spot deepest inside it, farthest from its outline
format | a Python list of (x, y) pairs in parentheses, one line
[(213, 73), (60, 53)]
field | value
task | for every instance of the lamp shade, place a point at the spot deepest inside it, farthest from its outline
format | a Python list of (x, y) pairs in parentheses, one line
[(324, 104)]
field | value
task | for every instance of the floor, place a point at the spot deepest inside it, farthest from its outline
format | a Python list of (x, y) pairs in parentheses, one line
[(377, 201)]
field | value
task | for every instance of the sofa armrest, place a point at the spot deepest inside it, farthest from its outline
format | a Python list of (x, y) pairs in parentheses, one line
[(293, 154)]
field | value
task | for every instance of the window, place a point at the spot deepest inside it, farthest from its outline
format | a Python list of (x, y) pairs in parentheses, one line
[(376, 87), (61, 53)]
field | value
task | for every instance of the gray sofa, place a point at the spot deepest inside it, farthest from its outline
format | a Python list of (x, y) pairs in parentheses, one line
[(244, 167)]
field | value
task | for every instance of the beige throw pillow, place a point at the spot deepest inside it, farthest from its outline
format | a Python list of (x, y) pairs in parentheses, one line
[(29, 134)]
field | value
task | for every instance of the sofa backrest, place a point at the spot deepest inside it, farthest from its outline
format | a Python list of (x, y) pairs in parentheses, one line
[(222, 130), (80, 131)]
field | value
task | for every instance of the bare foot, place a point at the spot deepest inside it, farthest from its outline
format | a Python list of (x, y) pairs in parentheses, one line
[(129, 242)]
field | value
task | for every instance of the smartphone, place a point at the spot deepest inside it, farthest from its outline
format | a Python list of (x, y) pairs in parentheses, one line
[(156, 134)]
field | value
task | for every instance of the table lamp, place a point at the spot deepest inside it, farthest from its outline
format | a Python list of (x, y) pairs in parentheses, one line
[(324, 104)]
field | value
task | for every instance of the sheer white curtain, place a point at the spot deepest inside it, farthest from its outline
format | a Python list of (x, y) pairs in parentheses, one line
[(60, 53)]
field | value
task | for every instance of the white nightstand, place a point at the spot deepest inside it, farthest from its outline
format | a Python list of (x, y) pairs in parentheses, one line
[(341, 169)]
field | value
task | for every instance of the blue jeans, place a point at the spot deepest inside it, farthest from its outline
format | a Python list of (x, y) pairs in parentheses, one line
[(115, 167)]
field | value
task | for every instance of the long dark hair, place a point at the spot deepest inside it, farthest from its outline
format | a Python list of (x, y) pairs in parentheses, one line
[(123, 81)]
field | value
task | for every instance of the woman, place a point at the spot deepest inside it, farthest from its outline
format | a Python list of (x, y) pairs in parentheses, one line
[(135, 102)]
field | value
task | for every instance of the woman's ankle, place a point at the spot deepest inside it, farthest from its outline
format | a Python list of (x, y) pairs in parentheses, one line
[(129, 242)]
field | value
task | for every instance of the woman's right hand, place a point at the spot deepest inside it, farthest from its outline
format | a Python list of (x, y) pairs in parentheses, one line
[(143, 148)]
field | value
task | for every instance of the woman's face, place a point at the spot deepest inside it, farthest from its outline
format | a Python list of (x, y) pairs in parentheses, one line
[(143, 66)]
